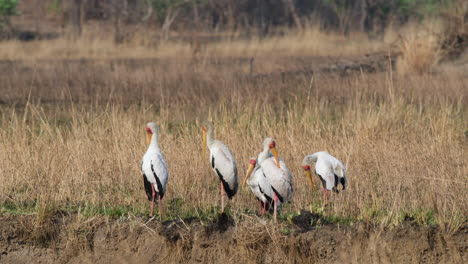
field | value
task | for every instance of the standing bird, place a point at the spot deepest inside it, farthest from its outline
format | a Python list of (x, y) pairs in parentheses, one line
[(154, 168), (222, 162), (259, 185), (329, 169), (277, 174)]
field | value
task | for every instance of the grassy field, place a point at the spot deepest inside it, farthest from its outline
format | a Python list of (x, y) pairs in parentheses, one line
[(72, 130)]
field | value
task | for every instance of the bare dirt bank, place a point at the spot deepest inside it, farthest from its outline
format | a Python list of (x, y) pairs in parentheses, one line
[(64, 239)]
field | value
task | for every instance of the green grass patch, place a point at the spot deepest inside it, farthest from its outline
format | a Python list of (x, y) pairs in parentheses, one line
[(176, 208), (113, 211), (339, 219), (420, 216), (27, 207)]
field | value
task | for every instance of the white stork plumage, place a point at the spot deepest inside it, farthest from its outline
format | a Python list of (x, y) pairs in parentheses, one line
[(222, 162), (277, 174), (329, 169), (259, 185), (153, 166)]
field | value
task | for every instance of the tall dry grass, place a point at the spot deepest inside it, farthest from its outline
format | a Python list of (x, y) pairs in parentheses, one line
[(421, 47), (99, 45), (72, 134)]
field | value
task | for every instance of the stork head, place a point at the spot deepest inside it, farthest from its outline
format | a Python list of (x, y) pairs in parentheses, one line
[(252, 164), (207, 125), (306, 167), (270, 144), (151, 128)]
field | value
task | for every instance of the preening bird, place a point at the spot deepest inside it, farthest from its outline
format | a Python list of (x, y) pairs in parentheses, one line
[(277, 174), (329, 169), (153, 166), (259, 185), (222, 162)]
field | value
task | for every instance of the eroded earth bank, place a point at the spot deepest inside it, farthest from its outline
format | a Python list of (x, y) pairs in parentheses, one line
[(61, 238)]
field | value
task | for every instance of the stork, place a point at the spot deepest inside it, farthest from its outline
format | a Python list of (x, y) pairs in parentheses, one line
[(329, 169), (153, 166), (222, 162), (259, 185), (277, 174)]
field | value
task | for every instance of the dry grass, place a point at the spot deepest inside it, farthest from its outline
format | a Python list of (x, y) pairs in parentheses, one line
[(424, 45), (421, 48), (72, 136), (312, 42)]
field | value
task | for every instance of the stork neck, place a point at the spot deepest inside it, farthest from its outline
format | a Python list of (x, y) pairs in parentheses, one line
[(210, 136), (154, 141), (265, 154), (252, 175), (311, 158)]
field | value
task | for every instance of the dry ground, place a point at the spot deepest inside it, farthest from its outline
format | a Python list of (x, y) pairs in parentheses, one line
[(137, 241)]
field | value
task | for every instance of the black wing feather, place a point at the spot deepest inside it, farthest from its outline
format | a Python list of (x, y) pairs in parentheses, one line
[(269, 199), (343, 182), (158, 182), (229, 191), (337, 181), (277, 194), (148, 190)]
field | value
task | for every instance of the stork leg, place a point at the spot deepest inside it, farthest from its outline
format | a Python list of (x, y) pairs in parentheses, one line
[(275, 200), (152, 201), (264, 207), (260, 207), (160, 205), (222, 198), (324, 196)]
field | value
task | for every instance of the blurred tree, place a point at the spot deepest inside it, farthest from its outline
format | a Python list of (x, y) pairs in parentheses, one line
[(76, 17), (167, 12), (128, 16), (7, 9), (261, 17), (292, 10)]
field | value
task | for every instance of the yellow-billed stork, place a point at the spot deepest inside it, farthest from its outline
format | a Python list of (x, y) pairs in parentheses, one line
[(222, 162), (277, 174), (259, 185), (153, 166), (329, 169)]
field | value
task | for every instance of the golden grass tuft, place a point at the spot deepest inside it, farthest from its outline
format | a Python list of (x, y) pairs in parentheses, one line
[(421, 47)]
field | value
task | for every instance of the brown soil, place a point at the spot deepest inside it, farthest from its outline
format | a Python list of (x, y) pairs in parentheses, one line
[(60, 238)]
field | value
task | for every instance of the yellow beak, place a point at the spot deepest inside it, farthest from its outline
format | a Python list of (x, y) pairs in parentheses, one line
[(149, 138), (275, 154), (249, 171), (204, 143), (309, 175)]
